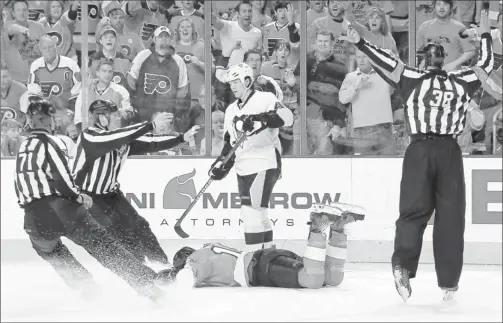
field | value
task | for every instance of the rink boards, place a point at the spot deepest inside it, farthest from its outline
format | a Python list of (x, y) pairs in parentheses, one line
[(161, 189)]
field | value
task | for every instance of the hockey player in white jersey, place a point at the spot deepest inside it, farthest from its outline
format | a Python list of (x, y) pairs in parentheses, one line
[(257, 162)]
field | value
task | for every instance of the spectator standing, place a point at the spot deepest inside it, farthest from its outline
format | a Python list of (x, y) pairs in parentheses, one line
[(259, 17), (239, 36), (143, 19), (128, 43), (160, 79), (103, 88), (108, 49), (371, 113), (21, 39), (11, 137), (189, 12), (284, 28), (361, 7), (317, 9), (444, 30), (58, 78), (60, 25), (400, 27)]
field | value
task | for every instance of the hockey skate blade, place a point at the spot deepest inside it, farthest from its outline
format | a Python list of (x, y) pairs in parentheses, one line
[(402, 290)]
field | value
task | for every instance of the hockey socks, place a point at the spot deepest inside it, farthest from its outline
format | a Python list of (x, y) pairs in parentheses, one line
[(257, 227)]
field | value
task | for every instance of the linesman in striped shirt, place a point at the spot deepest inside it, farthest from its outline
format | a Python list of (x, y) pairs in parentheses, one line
[(432, 175), (102, 150), (54, 207)]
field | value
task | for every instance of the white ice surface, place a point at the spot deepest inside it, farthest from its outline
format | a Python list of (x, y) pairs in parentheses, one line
[(33, 292)]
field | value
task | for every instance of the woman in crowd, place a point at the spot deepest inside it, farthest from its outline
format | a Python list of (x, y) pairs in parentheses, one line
[(60, 25), (217, 134)]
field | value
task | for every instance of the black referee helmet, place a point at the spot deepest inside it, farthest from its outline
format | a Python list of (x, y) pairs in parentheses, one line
[(433, 55), (38, 105), (102, 106)]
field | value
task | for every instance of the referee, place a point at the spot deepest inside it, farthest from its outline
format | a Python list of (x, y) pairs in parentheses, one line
[(102, 150), (54, 208), (432, 175)]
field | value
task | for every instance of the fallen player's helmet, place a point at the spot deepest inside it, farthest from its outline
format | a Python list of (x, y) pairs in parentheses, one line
[(37, 104), (433, 55), (240, 72), (100, 110), (180, 258)]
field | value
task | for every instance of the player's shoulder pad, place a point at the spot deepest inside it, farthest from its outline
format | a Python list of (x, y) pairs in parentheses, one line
[(266, 95)]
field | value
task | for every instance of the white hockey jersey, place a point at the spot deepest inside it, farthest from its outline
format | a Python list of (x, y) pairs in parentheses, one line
[(258, 152)]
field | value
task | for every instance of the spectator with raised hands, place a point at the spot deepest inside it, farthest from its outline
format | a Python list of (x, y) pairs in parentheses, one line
[(60, 25)]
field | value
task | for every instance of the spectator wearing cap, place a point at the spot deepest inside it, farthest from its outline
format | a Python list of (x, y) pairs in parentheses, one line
[(188, 11), (160, 79), (11, 137), (128, 43), (11, 92), (103, 88), (108, 49)]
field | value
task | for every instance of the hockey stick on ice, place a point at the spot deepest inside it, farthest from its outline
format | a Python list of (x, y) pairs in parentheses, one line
[(178, 225)]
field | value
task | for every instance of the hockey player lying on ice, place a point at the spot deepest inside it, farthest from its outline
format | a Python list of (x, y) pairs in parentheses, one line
[(218, 265)]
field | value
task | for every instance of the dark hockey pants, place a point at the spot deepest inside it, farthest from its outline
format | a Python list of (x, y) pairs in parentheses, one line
[(119, 217), (48, 219), (432, 179)]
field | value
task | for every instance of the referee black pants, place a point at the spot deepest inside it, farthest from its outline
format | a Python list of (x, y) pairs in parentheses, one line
[(120, 218), (48, 219), (432, 179)]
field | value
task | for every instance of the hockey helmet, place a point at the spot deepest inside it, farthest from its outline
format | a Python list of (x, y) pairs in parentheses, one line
[(100, 110), (240, 72), (433, 55), (180, 257), (37, 104)]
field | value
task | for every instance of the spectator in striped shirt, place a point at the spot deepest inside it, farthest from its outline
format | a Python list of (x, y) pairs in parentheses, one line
[(432, 177), (102, 150), (55, 207)]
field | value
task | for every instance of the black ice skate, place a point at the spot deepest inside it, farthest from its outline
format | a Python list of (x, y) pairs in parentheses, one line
[(402, 282)]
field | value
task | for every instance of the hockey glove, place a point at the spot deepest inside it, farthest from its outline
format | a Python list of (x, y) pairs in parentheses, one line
[(218, 171), (249, 124)]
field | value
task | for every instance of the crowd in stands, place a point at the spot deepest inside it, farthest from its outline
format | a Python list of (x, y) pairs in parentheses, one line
[(150, 57)]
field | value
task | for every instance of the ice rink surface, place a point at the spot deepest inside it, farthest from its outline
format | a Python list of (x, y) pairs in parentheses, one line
[(33, 292)]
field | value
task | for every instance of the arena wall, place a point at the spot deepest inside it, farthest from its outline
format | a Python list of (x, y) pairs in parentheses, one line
[(161, 189)]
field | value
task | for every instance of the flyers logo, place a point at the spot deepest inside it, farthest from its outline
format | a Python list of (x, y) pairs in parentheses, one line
[(51, 88), (156, 83), (147, 31), (118, 78), (56, 36), (8, 113), (126, 50), (92, 11)]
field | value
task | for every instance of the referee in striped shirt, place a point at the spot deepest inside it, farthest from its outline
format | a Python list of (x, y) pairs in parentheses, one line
[(54, 207), (432, 175), (102, 150)]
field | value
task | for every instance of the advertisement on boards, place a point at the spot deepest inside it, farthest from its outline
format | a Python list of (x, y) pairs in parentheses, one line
[(161, 190)]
